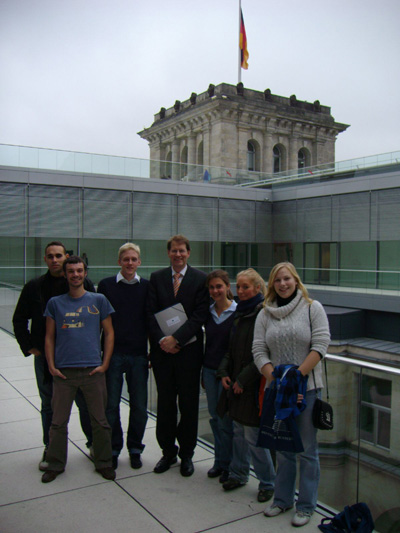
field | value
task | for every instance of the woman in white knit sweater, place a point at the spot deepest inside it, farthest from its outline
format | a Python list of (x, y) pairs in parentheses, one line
[(292, 329)]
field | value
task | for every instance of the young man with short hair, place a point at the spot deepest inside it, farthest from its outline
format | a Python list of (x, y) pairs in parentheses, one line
[(30, 307), (73, 353), (127, 293)]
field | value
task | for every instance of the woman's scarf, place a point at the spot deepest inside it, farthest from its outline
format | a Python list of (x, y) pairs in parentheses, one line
[(244, 306)]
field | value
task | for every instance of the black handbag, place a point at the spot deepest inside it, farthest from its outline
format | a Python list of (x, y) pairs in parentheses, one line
[(322, 415)]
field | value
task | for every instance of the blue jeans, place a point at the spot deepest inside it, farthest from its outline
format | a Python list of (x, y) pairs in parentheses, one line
[(44, 383), (309, 465), (221, 427), (136, 370), (244, 451)]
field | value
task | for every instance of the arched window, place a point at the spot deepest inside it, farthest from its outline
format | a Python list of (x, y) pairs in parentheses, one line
[(200, 160), (251, 156), (168, 165), (277, 159), (200, 153), (301, 160)]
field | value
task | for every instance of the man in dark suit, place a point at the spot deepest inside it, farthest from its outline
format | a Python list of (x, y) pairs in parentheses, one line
[(176, 364)]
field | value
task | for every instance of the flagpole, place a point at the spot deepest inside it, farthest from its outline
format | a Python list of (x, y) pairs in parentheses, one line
[(239, 56)]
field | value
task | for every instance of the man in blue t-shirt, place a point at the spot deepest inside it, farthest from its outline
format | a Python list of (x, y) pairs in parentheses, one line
[(73, 353), (127, 293)]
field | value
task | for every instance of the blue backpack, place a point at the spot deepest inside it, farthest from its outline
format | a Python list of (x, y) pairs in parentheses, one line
[(355, 518)]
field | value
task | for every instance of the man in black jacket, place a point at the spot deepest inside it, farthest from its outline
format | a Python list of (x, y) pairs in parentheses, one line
[(31, 306), (176, 359)]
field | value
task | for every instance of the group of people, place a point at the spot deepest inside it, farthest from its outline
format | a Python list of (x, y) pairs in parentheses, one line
[(244, 341)]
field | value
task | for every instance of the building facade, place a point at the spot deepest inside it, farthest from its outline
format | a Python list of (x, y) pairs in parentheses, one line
[(231, 127)]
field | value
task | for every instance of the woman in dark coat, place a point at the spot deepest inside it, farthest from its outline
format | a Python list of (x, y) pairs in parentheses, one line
[(241, 379)]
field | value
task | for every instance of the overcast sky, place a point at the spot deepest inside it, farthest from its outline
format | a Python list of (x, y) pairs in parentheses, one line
[(87, 75)]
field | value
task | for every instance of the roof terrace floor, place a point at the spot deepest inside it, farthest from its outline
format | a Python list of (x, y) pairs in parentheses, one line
[(81, 500)]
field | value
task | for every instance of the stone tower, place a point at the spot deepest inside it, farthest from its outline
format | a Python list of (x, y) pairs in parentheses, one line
[(234, 132)]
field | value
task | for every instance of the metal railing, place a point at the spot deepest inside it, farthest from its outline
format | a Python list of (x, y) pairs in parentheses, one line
[(363, 280), (130, 167)]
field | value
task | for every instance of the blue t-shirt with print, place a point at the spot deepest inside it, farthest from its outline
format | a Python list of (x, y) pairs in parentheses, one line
[(78, 326)]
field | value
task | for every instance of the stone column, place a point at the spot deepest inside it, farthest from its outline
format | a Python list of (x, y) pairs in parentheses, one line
[(206, 145), (192, 156), (155, 157), (293, 153), (175, 159), (267, 155)]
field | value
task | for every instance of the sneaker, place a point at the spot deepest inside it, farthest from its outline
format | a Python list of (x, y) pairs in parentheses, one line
[(224, 476), (44, 465), (274, 510), (300, 519), (233, 483), (136, 461), (50, 475), (107, 472), (264, 495)]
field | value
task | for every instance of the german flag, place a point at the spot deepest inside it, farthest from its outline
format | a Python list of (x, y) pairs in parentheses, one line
[(244, 54)]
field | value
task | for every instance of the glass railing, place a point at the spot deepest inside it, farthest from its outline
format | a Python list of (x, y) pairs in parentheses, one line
[(99, 165), (338, 170), (62, 160), (346, 279), (360, 457), (352, 278)]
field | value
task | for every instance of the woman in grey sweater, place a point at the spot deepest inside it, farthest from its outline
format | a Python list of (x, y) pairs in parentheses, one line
[(292, 329)]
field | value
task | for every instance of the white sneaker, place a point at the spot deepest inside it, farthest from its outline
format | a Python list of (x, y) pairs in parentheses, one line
[(44, 465), (273, 510), (300, 519)]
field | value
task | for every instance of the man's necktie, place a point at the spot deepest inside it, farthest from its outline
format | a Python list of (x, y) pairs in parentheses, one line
[(177, 282)]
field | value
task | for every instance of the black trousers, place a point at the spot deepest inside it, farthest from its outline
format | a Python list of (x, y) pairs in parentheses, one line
[(178, 385)]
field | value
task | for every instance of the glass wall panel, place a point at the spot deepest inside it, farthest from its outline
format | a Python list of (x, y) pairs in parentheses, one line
[(102, 257), (234, 257), (356, 257), (11, 261), (389, 259), (321, 263), (328, 273), (298, 257), (283, 251), (261, 259), (311, 264)]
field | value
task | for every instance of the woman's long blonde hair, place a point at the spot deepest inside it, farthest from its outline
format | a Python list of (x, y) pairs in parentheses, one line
[(255, 278), (271, 294)]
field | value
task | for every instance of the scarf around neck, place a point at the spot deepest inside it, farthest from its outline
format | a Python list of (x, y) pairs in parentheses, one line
[(245, 306)]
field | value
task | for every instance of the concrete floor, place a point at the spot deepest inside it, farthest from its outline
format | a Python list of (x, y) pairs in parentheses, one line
[(80, 500)]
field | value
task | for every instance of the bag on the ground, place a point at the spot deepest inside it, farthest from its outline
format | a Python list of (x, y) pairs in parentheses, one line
[(355, 518), (322, 415)]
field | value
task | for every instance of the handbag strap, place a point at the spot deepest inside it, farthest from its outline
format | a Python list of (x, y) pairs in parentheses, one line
[(326, 373)]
